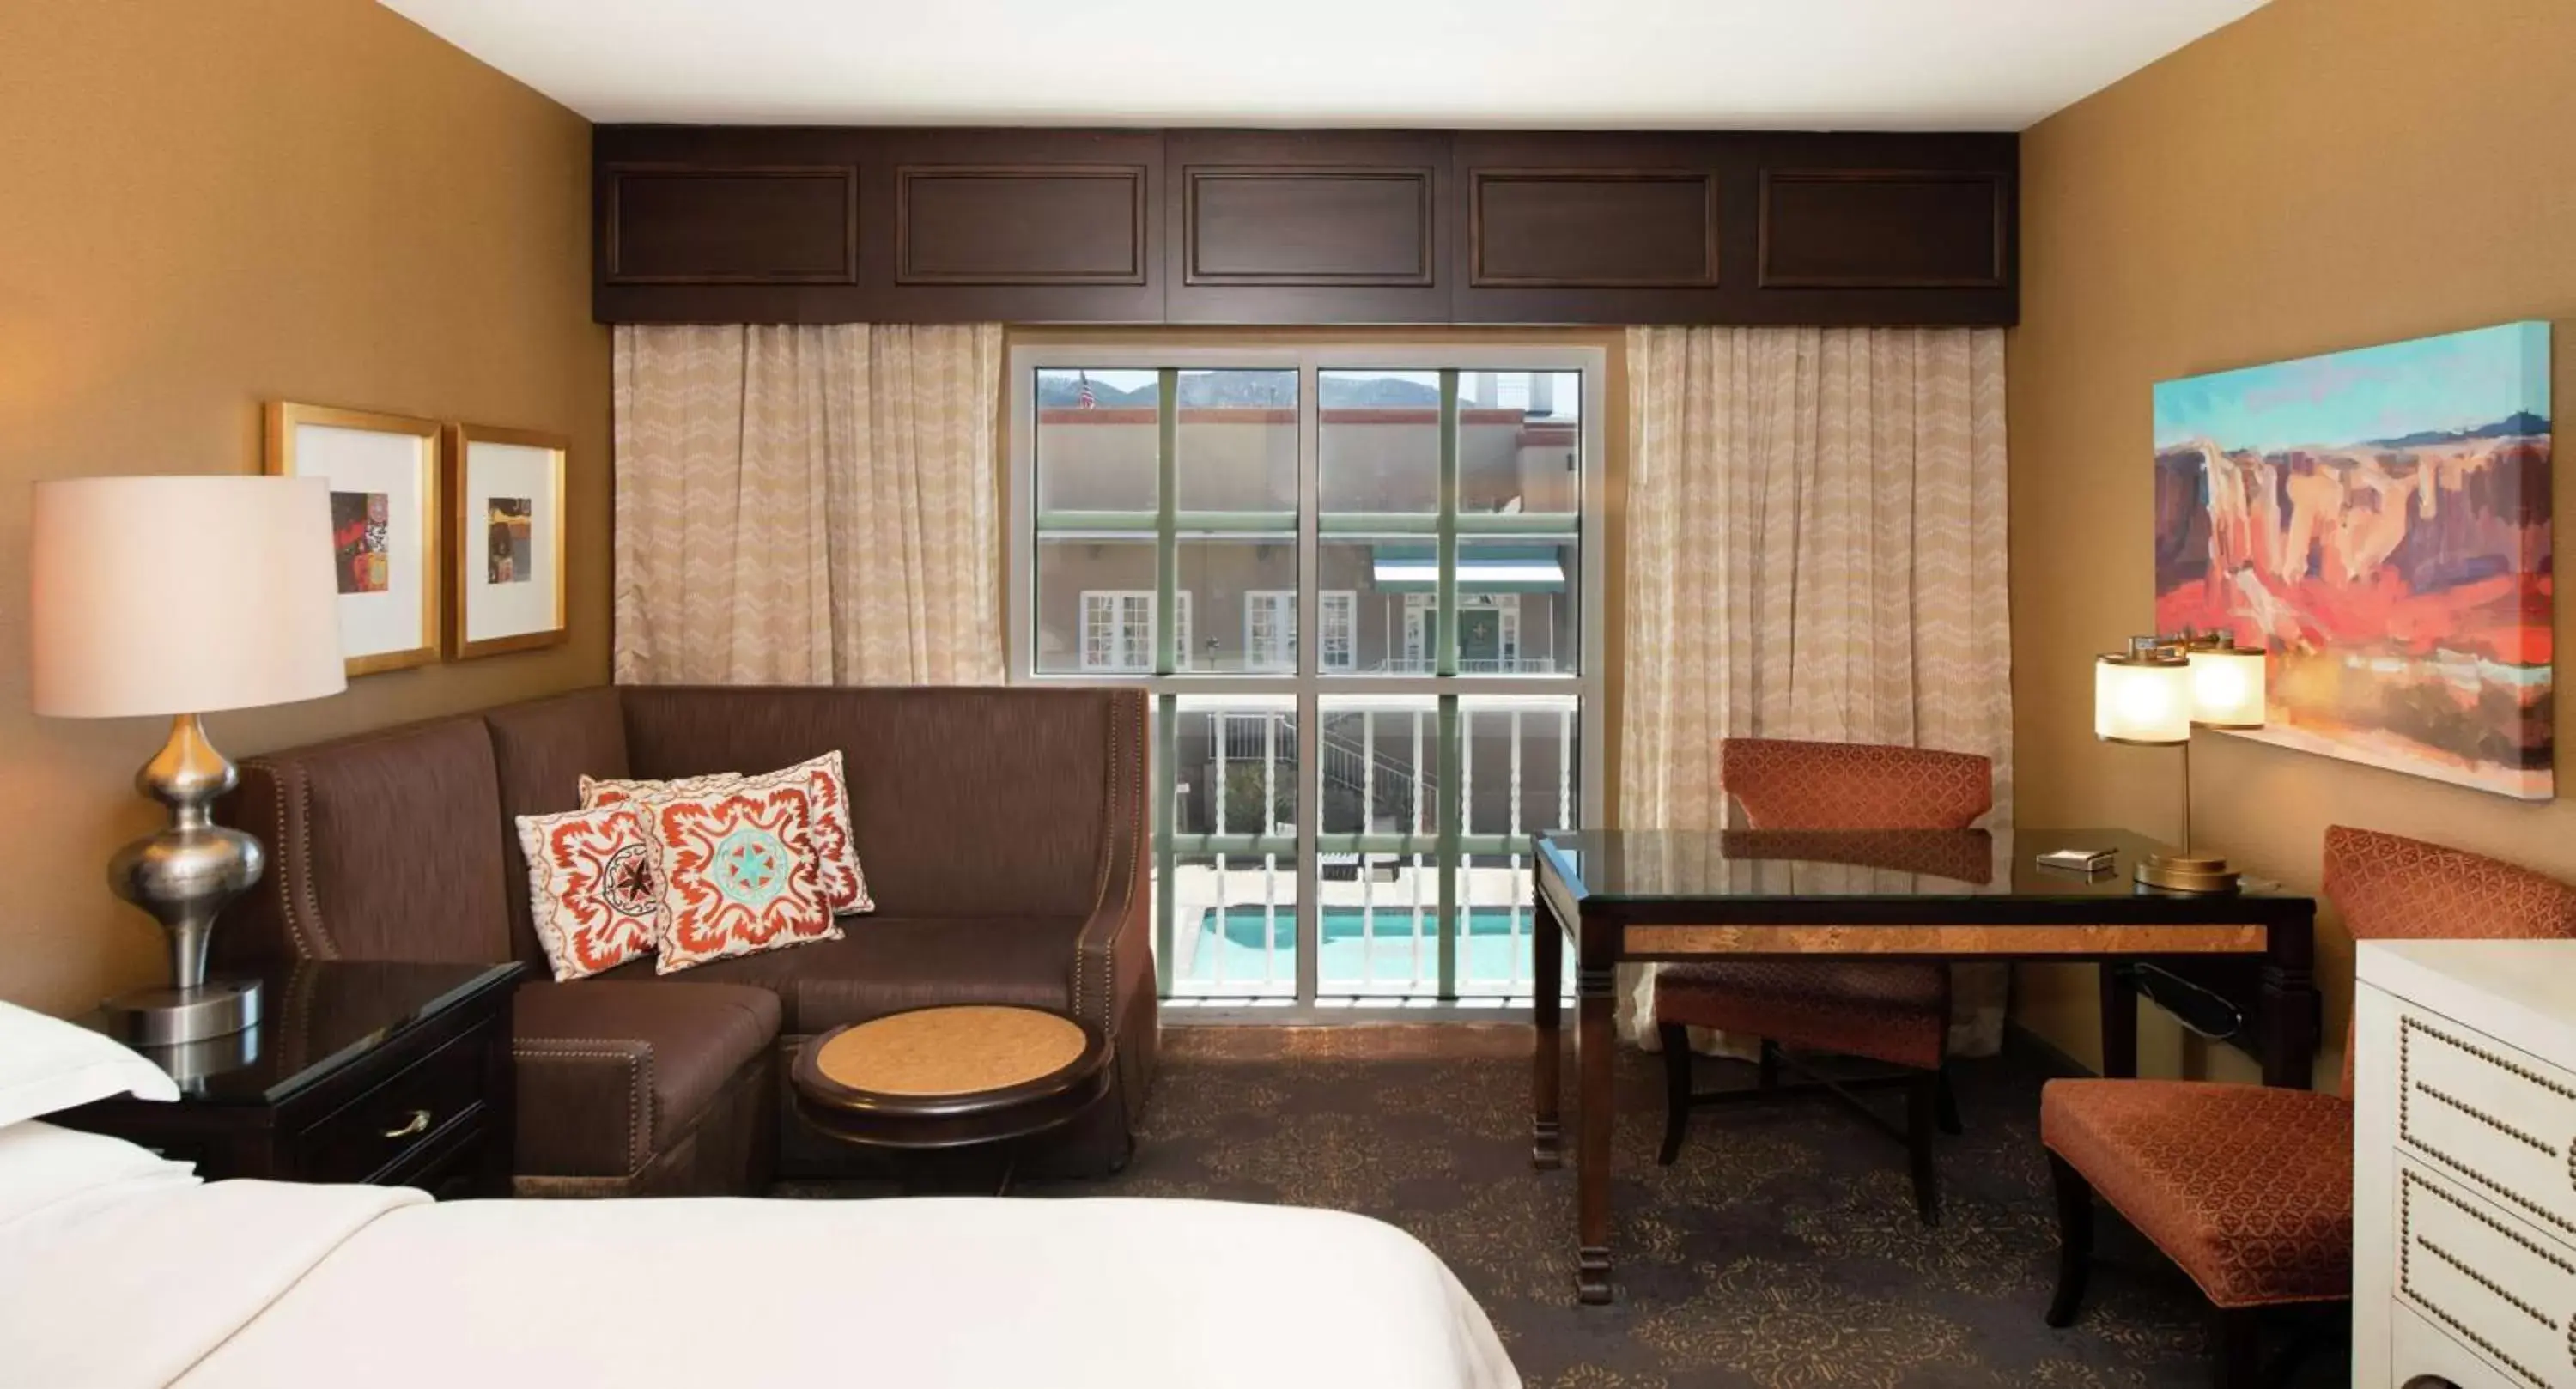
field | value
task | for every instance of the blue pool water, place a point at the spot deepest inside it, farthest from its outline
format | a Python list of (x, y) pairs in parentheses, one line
[(1487, 953)]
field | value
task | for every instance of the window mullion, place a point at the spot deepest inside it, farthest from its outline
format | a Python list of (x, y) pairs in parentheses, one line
[(1167, 556), (1445, 628), (1310, 711)]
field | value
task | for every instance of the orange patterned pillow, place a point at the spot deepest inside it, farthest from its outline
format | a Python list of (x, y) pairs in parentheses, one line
[(594, 888), (845, 888), (741, 872)]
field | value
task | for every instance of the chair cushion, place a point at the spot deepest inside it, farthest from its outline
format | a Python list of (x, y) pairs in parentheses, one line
[(1897, 1012), (2247, 1187), (887, 964), (612, 1072)]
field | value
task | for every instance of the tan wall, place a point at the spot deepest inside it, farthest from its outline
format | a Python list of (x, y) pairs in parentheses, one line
[(2323, 174), (206, 206)]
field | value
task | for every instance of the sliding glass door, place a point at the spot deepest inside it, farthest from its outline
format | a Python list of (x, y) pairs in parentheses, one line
[(1362, 589)]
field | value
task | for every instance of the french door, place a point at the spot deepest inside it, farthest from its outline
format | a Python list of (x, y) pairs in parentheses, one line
[(1362, 587)]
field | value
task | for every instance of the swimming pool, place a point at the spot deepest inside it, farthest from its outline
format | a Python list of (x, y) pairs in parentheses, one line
[(1230, 946)]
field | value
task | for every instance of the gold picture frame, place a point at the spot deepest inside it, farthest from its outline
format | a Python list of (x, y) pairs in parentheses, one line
[(388, 508), (487, 614)]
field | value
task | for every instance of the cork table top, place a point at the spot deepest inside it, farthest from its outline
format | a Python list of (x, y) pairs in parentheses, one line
[(962, 1050)]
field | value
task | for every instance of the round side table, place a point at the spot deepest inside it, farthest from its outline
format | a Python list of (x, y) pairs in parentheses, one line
[(951, 1079)]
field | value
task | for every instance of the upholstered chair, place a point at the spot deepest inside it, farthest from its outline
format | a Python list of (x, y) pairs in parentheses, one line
[(2248, 1188), (1896, 1012)]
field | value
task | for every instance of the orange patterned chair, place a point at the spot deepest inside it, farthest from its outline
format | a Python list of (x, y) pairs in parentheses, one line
[(1895, 1012), (2249, 1189)]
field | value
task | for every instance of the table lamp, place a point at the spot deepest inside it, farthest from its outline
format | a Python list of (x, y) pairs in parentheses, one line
[(181, 596), (2154, 694)]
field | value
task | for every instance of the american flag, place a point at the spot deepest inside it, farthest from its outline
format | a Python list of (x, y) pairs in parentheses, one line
[(1082, 380)]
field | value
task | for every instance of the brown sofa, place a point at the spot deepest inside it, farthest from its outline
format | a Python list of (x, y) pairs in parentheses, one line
[(1003, 836)]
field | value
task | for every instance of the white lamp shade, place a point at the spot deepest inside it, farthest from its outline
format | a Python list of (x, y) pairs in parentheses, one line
[(182, 595), (2227, 687), (2142, 701)]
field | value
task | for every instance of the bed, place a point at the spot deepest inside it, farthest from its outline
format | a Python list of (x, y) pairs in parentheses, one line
[(118, 1268)]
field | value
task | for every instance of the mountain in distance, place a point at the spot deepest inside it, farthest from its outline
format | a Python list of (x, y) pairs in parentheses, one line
[(1242, 390), (2521, 424)]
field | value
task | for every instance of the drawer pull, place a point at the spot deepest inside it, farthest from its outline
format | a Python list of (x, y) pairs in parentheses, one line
[(416, 1124)]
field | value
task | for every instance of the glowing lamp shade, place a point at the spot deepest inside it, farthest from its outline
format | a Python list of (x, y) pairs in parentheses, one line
[(2141, 699), (2227, 687)]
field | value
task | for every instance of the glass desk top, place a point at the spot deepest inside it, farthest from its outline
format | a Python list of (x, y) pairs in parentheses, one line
[(1616, 866)]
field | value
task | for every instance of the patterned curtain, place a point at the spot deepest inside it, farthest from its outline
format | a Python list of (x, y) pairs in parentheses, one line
[(808, 505), (1815, 550)]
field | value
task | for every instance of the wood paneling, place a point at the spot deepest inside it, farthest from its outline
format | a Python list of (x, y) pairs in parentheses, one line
[(1019, 224), (1883, 229), (1283, 225), (758, 224), (1592, 228), (1306, 226), (713, 225)]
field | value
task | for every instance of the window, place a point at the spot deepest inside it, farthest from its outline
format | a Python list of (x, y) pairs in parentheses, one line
[(1348, 777), (1117, 631), (1341, 631), (1270, 629)]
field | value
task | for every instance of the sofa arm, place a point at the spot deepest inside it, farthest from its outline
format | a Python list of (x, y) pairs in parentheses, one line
[(585, 1106), (1113, 956)]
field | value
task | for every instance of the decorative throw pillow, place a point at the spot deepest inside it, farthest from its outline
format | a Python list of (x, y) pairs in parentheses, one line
[(741, 868), (836, 852), (595, 888)]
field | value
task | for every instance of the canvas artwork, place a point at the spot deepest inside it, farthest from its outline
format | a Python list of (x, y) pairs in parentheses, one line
[(358, 536), (510, 553), (2379, 521)]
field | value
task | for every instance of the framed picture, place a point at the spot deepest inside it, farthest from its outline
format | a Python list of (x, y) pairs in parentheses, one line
[(385, 521), (2378, 521), (506, 559)]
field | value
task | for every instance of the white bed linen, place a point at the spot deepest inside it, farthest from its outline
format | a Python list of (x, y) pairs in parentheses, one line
[(343, 1285)]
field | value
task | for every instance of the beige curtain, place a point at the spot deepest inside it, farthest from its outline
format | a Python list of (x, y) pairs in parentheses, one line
[(808, 505), (1815, 550)]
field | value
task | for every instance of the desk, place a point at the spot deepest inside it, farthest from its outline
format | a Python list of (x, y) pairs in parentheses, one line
[(1968, 895)]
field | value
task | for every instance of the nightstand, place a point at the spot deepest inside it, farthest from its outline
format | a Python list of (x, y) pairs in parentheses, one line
[(360, 1071)]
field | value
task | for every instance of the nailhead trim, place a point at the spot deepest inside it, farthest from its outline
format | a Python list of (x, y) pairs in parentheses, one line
[(2408, 1027), (2407, 1239), (2485, 1118)]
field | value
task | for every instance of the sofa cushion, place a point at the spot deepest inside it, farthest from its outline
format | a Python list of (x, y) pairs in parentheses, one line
[(740, 874), (383, 847), (887, 964), (595, 887), (540, 752), (611, 1073)]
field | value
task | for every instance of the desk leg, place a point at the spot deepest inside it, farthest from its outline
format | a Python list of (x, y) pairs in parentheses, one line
[(2119, 1023), (1593, 989), (1547, 1143), (2293, 1010)]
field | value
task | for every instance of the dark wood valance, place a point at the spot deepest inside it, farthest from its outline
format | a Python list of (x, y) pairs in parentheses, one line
[(762, 224)]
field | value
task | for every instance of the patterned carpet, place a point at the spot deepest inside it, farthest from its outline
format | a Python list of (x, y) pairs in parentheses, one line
[(1781, 1251)]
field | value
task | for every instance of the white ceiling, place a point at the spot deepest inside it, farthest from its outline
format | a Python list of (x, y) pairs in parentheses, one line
[(1782, 64)]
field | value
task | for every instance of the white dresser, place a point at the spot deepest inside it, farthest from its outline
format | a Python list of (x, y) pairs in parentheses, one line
[(2464, 1214)]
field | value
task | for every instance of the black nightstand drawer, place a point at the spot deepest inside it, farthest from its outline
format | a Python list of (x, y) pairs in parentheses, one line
[(361, 1071), (381, 1129)]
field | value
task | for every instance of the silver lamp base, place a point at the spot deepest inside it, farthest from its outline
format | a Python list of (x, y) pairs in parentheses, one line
[(170, 1017), (184, 875)]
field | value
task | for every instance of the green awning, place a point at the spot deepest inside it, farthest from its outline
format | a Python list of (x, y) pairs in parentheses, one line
[(1483, 569)]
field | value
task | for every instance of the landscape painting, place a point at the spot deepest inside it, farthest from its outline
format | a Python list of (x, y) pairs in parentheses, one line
[(2378, 520)]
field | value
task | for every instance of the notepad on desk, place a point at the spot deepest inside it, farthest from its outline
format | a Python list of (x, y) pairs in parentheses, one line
[(2084, 861)]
